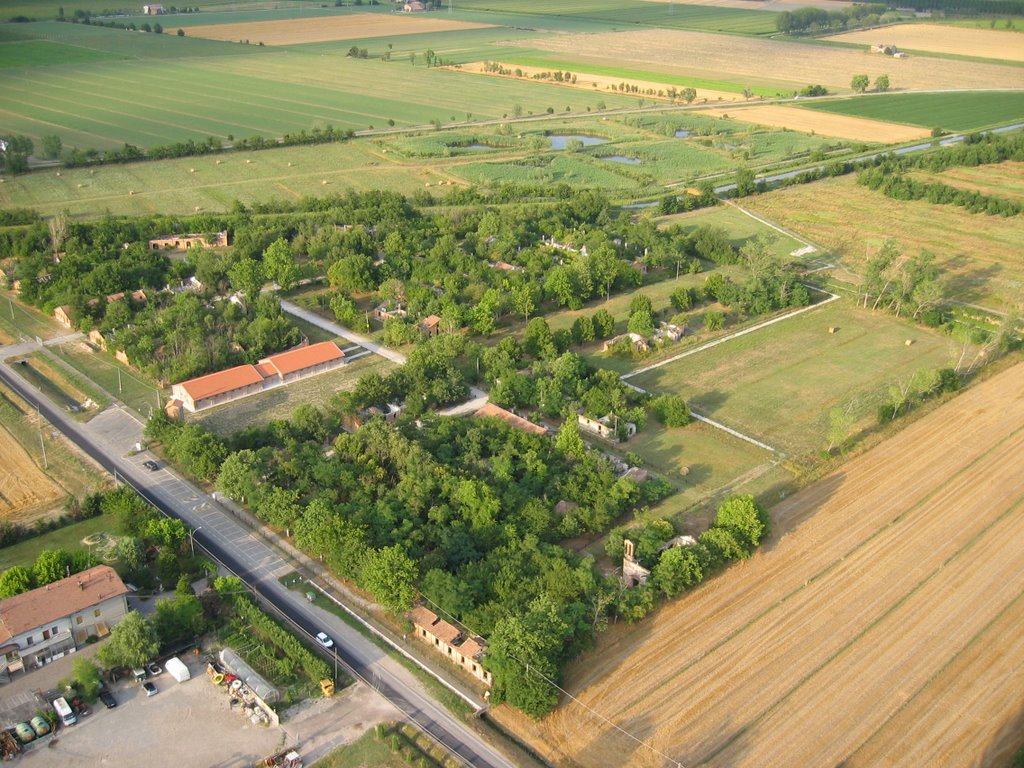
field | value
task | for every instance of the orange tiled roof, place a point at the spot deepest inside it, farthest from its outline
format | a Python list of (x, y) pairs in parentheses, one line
[(473, 647), (304, 357), (518, 422), (44, 605), (424, 617), (430, 321), (222, 381)]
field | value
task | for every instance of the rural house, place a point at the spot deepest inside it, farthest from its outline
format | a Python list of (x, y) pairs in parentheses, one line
[(445, 637), (633, 574), (606, 427), (414, 6), (152, 10), (63, 315), (636, 341), (47, 623), (184, 242), (242, 380), (387, 311), (431, 325)]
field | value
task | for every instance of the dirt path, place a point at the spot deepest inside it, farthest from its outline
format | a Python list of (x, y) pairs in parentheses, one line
[(875, 628)]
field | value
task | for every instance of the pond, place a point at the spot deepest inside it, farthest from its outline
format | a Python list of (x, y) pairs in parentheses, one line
[(680, 134), (478, 146), (559, 140), (622, 159)]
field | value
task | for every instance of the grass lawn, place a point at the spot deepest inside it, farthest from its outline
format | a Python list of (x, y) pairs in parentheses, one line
[(740, 226), (281, 402), (44, 53), (373, 751), (1002, 180), (979, 254), (17, 320), (778, 384), (69, 537), (952, 111), (63, 388), (131, 387)]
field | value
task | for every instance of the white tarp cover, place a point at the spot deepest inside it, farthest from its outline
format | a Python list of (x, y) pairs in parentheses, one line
[(177, 669)]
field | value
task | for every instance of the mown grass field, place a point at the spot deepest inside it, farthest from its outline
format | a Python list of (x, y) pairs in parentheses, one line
[(741, 228), (41, 53), (950, 111), (17, 320), (1003, 180), (281, 402), (68, 538), (779, 384), (979, 254)]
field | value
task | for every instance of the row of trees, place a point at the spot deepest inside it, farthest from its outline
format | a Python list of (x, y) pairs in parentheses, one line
[(861, 83), (819, 20)]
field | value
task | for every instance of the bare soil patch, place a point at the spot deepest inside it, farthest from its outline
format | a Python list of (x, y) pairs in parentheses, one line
[(983, 43), (322, 29), (702, 54), (598, 82), (808, 121), (24, 488), (874, 627)]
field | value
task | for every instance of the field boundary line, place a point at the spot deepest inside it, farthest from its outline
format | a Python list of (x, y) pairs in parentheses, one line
[(734, 433), (831, 297), (768, 223)]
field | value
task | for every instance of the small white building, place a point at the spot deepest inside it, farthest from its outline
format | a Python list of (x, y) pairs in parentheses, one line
[(154, 9), (606, 427)]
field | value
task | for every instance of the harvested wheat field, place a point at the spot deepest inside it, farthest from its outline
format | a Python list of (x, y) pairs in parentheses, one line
[(590, 82), (321, 29), (773, 62), (806, 121), (880, 624), (24, 488), (983, 43)]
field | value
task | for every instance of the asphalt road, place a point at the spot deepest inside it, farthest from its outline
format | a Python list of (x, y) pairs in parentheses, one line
[(107, 439)]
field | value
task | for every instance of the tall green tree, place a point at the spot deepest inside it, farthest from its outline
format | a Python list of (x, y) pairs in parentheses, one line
[(279, 264), (390, 575), (14, 581), (131, 644), (860, 83)]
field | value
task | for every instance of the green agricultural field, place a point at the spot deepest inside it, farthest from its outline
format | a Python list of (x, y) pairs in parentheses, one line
[(666, 161), (632, 13), (951, 111), (43, 53), (49, 9), (281, 402), (779, 384), (741, 228), (102, 104)]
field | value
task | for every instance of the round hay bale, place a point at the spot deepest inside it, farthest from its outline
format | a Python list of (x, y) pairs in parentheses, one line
[(80, 185), (427, 184), (197, 208), (248, 161), (908, 342), (323, 181), (191, 170), (289, 165), (92, 172), (58, 173), (832, 329), (131, 191), (219, 162)]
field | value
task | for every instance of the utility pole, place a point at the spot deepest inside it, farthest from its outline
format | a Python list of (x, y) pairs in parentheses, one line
[(42, 444)]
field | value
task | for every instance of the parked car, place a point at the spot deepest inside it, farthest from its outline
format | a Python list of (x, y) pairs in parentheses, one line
[(108, 699), (151, 465), (149, 688), (324, 640), (153, 668)]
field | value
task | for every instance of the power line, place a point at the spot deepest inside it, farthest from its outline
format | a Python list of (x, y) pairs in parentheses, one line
[(555, 685)]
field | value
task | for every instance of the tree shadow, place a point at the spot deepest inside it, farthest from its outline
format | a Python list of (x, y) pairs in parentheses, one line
[(707, 403)]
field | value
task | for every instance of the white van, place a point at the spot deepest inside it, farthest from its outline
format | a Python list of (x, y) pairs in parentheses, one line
[(64, 712)]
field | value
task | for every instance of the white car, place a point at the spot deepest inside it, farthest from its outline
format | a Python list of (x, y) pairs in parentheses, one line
[(324, 640)]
